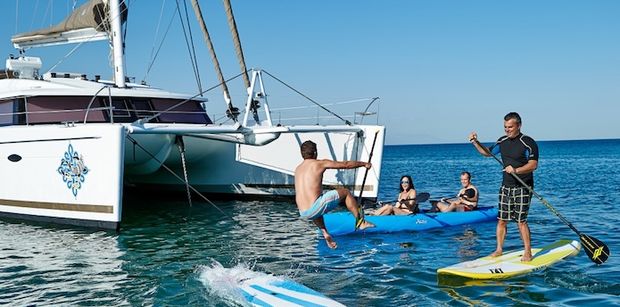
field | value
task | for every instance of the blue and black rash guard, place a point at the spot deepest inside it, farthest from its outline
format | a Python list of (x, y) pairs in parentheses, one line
[(516, 152)]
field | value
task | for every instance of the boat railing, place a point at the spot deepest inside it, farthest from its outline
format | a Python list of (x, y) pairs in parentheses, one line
[(95, 98), (313, 114)]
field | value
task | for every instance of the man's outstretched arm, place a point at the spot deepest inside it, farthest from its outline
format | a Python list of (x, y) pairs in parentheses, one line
[(344, 164)]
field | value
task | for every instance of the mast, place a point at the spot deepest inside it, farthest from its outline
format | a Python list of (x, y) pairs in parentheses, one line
[(117, 42)]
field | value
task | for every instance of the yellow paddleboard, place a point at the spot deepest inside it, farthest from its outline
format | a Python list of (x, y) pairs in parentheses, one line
[(510, 265)]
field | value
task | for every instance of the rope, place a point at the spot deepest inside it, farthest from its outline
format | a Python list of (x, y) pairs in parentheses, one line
[(187, 43), (181, 145), (191, 39), (232, 113), (235, 34), (239, 51), (161, 44), (178, 177), (147, 119), (310, 99)]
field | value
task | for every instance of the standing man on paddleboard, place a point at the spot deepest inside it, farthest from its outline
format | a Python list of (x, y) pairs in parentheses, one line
[(520, 156), (310, 198)]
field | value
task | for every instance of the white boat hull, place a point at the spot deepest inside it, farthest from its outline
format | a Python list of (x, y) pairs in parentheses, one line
[(59, 173), (235, 169), (87, 188)]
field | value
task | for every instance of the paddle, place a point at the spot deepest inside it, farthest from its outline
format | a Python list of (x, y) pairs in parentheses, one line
[(359, 200), (596, 250), (442, 198)]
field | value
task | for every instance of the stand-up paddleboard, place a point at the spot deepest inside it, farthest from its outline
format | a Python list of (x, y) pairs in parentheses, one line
[(243, 286), (283, 293), (510, 265)]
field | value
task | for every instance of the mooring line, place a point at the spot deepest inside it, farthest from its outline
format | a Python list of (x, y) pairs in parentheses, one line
[(180, 179), (181, 145)]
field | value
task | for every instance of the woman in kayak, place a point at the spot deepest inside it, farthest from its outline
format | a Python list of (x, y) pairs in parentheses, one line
[(406, 200)]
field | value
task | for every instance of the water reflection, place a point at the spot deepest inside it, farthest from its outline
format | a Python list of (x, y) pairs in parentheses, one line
[(468, 247), (43, 264)]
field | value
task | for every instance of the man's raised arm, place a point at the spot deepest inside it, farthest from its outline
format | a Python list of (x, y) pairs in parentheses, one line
[(344, 164)]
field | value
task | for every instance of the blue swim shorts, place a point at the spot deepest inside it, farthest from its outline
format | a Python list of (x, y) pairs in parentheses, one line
[(326, 202)]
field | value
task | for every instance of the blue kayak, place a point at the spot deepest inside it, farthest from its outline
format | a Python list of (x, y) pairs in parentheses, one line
[(343, 223)]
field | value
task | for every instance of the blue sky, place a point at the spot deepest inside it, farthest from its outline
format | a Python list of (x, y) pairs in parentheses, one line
[(440, 68)]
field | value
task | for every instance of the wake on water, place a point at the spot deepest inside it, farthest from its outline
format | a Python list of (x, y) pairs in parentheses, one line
[(225, 283)]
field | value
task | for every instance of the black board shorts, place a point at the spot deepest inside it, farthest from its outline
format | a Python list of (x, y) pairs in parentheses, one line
[(514, 204)]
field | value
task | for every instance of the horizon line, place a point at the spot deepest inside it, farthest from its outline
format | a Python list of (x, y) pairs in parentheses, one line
[(461, 143)]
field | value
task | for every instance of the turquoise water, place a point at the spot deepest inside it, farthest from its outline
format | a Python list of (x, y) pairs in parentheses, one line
[(165, 247)]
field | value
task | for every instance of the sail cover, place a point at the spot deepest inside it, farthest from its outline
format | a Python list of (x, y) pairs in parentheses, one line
[(89, 22)]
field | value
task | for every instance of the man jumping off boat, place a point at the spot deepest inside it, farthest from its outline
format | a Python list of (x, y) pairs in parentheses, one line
[(519, 154), (312, 202)]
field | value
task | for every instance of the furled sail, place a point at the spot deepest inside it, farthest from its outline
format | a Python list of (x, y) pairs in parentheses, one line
[(89, 22)]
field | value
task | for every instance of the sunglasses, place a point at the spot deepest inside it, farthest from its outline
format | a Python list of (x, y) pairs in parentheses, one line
[(404, 181)]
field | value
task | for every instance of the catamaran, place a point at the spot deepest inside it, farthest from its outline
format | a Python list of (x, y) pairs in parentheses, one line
[(72, 143)]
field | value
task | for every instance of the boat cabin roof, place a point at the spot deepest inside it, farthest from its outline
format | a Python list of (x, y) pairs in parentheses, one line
[(77, 85)]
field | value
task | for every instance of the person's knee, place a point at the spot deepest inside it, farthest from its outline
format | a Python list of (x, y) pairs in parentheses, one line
[(344, 193)]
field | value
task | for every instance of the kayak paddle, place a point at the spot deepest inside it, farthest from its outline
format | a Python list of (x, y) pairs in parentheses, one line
[(359, 199)]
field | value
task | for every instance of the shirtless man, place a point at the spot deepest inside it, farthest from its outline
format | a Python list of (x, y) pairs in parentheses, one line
[(312, 201), (465, 200)]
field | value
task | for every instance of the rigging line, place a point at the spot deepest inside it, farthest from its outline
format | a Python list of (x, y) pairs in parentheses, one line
[(232, 24), (36, 8), (326, 104), (66, 56), (235, 34), (47, 10), (187, 43), (16, 14), (161, 16), (191, 38), (147, 119), (177, 176), (310, 99), (161, 44), (233, 112), (312, 117)]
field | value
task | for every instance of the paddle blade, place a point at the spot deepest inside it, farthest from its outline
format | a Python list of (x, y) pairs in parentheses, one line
[(596, 250), (422, 197)]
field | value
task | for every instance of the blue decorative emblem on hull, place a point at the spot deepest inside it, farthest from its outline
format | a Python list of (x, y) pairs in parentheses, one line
[(73, 170)]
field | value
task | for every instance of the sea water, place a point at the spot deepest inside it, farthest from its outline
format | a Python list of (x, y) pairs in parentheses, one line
[(171, 254)]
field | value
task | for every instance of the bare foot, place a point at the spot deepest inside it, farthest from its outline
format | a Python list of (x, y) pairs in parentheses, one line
[(365, 224), (330, 242), (496, 253), (527, 257)]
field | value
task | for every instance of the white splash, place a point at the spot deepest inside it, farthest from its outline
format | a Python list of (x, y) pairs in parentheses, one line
[(226, 283)]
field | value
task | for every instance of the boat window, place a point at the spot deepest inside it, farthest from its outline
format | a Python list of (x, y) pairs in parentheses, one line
[(190, 112), (143, 108), (6, 112), (58, 109), (123, 112), (121, 109)]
